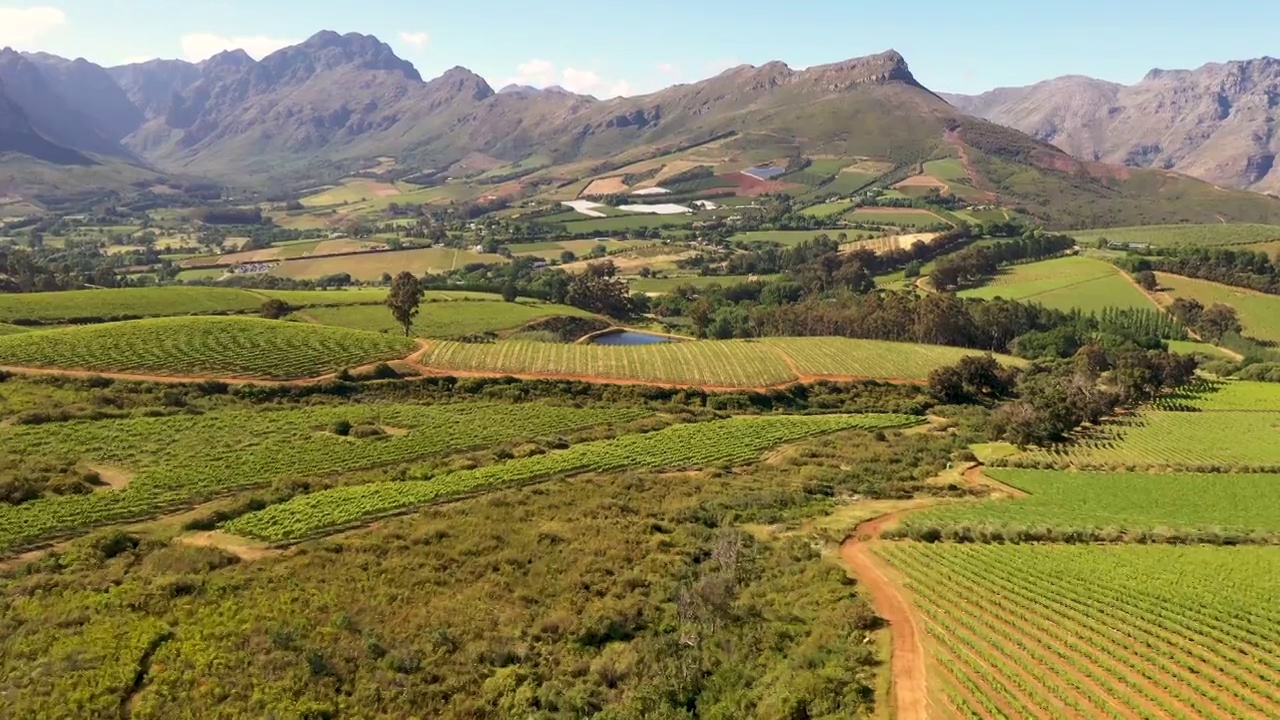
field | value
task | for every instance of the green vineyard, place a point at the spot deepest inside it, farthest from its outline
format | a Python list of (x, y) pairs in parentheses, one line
[(445, 319), (1240, 441), (53, 307), (224, 347), (184, 458), (1118, 505), (1083, 631), (725, 442), (713, 363)]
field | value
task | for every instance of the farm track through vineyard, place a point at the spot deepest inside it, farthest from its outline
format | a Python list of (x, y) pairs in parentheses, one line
[(907, 656)]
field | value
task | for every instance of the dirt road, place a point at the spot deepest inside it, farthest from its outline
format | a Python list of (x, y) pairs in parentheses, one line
[(906, 664)]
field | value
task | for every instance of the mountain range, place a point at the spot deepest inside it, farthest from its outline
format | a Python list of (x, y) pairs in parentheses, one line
[(329, 106), (1217, 122)]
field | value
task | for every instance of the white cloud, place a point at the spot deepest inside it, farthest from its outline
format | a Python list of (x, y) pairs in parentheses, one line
[(543, 73), (19, 26), (538, 73), (416, 39), (202, 46)]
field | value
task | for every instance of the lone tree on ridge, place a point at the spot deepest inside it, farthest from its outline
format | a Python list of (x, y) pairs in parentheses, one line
[(404, 299)]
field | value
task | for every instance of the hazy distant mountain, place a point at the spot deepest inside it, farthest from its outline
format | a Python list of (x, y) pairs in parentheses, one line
[(50, 112), (151, 86), (1218, 122), (91, 90), (18, 136)]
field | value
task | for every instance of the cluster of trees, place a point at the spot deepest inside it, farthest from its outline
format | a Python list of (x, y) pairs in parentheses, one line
[(1049, 400), (1211, 323), (975, 264), (1241, 268), (52, 269), (598, 289), (780, 309), (228, 215)]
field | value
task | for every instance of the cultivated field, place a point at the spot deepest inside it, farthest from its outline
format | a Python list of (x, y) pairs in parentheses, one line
[(1083, 631), (352, 190), (727, 363), (1259, 314), (74, 306), (880, 359), (1064, 284), (66, 307), (1192, 441), (788, 238), (445, 319), (828, 209), (627, 222), (667, 284), (371, 266), (714, 444), (1172, 235), (221, 347), (553, 249), (185, 458), (1117, 505), (710, 363), (898, 217)]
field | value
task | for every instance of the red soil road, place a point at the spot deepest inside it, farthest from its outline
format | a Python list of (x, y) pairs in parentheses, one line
[(907, 658)]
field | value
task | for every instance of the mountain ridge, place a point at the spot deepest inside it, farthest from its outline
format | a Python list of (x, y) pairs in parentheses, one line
[(1217, 122), (334, 103)]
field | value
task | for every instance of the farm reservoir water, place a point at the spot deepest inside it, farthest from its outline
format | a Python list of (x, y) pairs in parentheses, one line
[(629, 337)]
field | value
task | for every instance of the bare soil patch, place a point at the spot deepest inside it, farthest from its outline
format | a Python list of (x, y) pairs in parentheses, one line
[(605, 186), (747, 185), (238, 546), (112, 477), (888, 243), (627, 262), (923, 181)]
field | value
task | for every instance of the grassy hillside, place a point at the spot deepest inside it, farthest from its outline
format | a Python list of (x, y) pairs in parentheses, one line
[(1065, 284)]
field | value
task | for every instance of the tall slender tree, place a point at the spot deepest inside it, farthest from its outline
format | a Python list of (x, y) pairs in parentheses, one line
[(404, 299)]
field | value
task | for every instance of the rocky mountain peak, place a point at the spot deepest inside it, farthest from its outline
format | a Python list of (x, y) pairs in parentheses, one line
[(327, 50), (236, 59), (879, 69), (458, 81)]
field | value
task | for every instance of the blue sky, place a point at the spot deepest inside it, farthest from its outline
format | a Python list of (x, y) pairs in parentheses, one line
[(607, 47)]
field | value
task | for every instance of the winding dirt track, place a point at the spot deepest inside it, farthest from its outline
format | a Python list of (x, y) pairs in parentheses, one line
[(906, 663)]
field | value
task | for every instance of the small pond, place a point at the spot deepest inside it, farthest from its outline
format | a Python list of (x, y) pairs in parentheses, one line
[(629, 337)]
